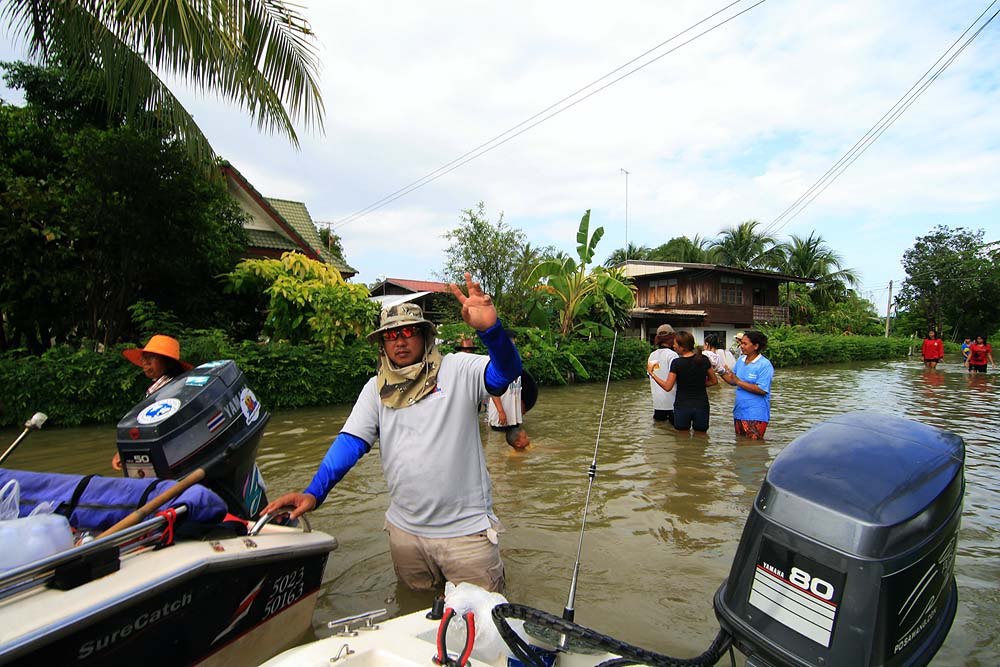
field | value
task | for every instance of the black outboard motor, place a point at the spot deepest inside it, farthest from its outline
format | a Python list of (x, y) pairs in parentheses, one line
[(847, 557), (206, 417)]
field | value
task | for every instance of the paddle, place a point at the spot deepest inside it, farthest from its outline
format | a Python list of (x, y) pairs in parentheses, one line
[(174, 491), (32, 424)]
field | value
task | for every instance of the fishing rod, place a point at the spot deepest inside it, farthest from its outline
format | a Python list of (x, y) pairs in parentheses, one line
[(569, 611)]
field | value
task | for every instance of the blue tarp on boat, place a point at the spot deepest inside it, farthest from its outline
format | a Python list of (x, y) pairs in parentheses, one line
[(95, 502)]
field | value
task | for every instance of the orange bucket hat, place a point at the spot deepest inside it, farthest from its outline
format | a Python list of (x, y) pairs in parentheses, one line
[(158, 344)]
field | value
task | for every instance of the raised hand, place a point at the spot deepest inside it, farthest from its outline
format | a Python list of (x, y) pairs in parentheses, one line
[(478, 310)]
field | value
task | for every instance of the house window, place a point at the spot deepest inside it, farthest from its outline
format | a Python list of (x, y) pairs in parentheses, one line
[(720, 335), (663, 291), (731, 290)]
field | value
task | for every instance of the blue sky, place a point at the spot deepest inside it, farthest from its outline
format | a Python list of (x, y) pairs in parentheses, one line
[(733, 126)]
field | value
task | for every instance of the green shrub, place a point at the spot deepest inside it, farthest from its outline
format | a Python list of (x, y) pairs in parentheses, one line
[(788, 346), (82, 387), (79, 386)]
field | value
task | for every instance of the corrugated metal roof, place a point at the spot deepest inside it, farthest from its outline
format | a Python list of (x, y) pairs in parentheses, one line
[(679, 312), (390, 300), (647, 267), (415, 285)]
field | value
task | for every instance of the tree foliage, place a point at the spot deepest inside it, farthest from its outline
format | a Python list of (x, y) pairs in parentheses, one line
[(744, 247), (812, 258), (308, 301), (333, 243), (953, 281), (257, 54), (491, 252), (94, 218), (682, 249)]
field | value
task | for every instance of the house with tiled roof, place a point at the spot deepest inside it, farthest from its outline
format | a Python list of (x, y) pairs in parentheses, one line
[(433, 297), (276, 226)]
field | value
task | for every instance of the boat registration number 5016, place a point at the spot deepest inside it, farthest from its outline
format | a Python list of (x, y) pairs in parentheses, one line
[(285, 590)]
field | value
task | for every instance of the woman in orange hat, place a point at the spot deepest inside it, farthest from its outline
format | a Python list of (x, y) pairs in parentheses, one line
[(161, 362)]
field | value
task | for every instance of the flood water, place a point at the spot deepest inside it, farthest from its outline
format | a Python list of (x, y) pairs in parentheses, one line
[(666, 513)]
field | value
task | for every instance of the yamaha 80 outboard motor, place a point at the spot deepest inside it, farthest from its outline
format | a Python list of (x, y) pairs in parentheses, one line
[(206, 417), (847, 557)]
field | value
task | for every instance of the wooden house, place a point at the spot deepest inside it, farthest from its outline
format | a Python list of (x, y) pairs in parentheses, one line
[(704, 298)]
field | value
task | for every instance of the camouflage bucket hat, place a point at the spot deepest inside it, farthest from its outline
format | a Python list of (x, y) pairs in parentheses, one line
[(401, 315)]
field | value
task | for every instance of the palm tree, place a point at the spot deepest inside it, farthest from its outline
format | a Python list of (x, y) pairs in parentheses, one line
[(257, 54), (632, 251), (683, 249), (812, 258), (744, 248)]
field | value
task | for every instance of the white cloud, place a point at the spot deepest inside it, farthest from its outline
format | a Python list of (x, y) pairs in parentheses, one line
[(735, 125)]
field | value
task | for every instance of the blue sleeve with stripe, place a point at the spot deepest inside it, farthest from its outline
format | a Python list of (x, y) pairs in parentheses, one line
[(345, 451)]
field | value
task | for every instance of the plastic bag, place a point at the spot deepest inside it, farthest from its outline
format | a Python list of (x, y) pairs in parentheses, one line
[(44, 507), (489, 645), (10, 500), (31, 538)]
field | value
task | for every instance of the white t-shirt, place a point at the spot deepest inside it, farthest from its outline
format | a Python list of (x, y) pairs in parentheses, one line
[(432, 454), (717, 359), (662, 400), (511, 402)]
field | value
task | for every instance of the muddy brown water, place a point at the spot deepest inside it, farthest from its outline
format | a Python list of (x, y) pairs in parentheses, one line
[(666, 512)]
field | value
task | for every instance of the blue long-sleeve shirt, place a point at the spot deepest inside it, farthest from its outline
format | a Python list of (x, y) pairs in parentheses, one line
[(347, 449)]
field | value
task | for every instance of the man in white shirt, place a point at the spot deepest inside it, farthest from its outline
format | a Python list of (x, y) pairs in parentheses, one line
[(659, 359)]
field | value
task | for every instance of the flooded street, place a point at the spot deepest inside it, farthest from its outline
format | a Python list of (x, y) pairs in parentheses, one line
[(667, 510)]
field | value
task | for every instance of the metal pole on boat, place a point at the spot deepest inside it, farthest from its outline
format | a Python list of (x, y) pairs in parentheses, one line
[(32, 424), (569, 611)]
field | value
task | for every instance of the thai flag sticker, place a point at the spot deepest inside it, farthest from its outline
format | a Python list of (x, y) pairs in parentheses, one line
[(216, 422)]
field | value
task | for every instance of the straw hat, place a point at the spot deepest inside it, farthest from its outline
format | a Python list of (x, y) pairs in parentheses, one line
[(159, 344)]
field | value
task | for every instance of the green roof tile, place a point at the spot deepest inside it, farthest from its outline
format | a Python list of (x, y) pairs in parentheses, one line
[(297, 216), (263, 239)]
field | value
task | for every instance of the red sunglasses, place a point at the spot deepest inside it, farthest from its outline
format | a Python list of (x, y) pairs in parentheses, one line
[(405, 332)]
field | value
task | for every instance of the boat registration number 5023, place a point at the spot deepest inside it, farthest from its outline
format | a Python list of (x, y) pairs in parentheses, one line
[(285, 590)]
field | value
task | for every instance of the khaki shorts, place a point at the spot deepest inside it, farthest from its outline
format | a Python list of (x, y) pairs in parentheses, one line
[(425, 563)]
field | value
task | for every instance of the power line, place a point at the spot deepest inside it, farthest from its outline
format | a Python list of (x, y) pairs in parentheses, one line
[(541, 116), (890, 117)]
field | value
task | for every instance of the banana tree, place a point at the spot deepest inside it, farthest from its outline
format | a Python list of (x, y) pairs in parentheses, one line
[(574, 290)]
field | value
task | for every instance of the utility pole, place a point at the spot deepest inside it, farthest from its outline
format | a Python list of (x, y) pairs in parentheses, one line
[(888, 309), (626, 219)]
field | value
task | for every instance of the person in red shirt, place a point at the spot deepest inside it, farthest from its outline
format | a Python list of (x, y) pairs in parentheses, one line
[(933, 349), (980, 352)]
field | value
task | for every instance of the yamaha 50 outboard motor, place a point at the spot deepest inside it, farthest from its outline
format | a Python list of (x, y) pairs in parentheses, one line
[(207, 418), (847, 557)]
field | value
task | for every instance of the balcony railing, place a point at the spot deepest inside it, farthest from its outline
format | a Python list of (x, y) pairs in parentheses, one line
[(770, 315)]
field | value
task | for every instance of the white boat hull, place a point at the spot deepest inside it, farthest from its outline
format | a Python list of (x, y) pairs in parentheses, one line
[(405, 641), (238, 601)]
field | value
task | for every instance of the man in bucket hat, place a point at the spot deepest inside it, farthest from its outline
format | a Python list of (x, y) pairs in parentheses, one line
[(422, 407), (659, 364)]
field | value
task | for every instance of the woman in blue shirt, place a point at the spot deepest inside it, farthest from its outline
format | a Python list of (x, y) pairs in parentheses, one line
[(752, 378)]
